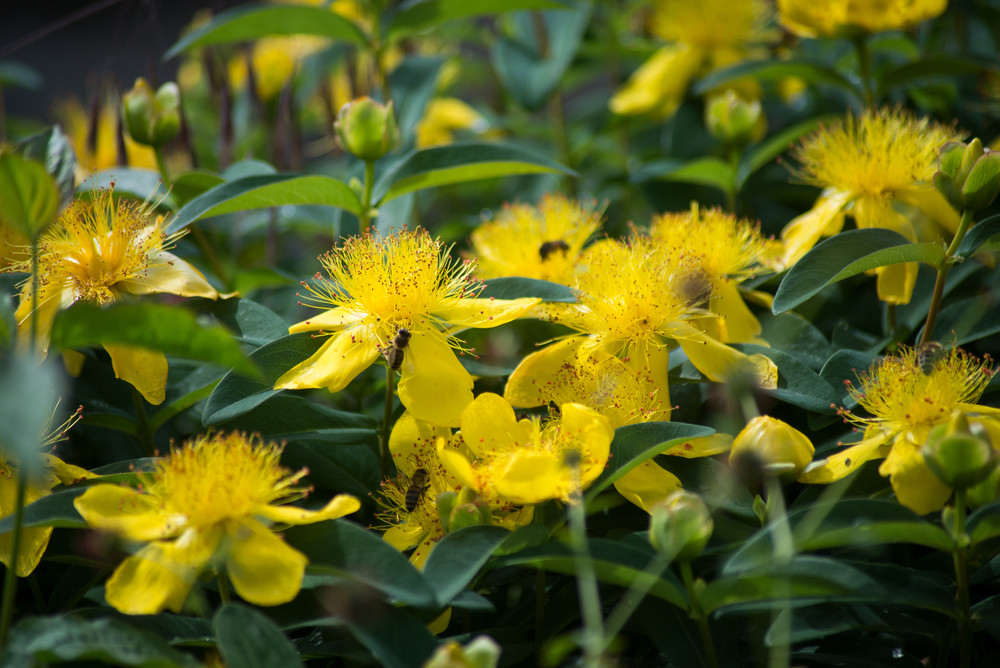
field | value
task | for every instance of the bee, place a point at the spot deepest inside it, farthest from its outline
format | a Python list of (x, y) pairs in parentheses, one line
[(394, 351), (928, 356), (418, 484), (550, 247)]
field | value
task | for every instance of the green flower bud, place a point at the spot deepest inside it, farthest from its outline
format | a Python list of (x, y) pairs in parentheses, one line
[(779, 448), (968, 176), (367, 128), (446, 502), (466, 515), (959, 455), (481, 652), (733, 120), (950, 158), (945, 185), (152, 119), (986, 491), (680, 526), (983, 183)]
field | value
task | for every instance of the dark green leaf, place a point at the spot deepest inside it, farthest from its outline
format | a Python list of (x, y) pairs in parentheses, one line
[(249, 639), (348, 551), (394, 638), (242, 24), (927, 69), (457, 558), (848, 254), (704, 171), (845, 365), (263, 191), (459, 163), (40, 641), (29, 198), (251, 322), (771, 148), (29, 392), (17, 74), (633, 444), (983, 236), (53, 149), (413, 82), (333, 463), (797, 383), (189, 185), (796, 336), (51, 510), (516, 287), (812, 72), (170, 329), (417, 15), (984, 523)]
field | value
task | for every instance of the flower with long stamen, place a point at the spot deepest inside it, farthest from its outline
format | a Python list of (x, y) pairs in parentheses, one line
[(833, 18), (211, 502), (542, 241), (375, 287), (877, 167), (904, 403), (100, 251)]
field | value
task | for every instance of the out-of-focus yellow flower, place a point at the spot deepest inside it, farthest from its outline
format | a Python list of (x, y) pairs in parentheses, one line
[(839, 18), (275, 60), (703, 36), (480, 652), (867, 166), (443, 117), (543, 241), (776, 444), (905, 404), (211, 501), (100, 251), (380, 285), (727, 251), (96, 143), (524, 461), (54, 471)]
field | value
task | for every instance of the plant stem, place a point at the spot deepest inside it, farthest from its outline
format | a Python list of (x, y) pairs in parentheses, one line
[(34, 294), (161, 166), (145, 433), (10, 577), (633, 597), (223, 583), (383, 449), (864, 69), (698, 615), (366, 202), (586, 577), (961, 559), (784, 550), (943, 269)]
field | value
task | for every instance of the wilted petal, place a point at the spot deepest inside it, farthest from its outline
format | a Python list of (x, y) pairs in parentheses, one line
[(335, 364), (824, 219), (264, 569)]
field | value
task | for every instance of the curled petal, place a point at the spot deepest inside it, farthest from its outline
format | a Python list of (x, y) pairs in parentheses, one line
[(340, 505), (933, 203), (264, 569), (916, 486), (483, 313), (434, 386), (127, 511), (702, 446), (845, 462), (739, 324), (67, 474), (489, 425), (718, 361), (594, 433), (895, 282), (647, 484), (168, 273), (143, 369), (824, 219), (335, 364), (525, 387)]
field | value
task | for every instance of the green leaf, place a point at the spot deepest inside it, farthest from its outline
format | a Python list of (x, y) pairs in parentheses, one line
[(708, 171), (635, 443), (170, 329), (848, 254), (134, 183), (797, 383), (928, 69), (38, 641), (417, 15), (793, 334), (51, 510), (845, 365), (334, 465), (984, 523), (457, 558), (983, 236), (13, 73), (394, 638), (251, 322), (29, 392), (249, 639), (189, 185), (29, 198), (263, 191), (812, 72), (615, 562), (346, 550), (771, 148), (53, 149), (460, 163), (242, 24), (413, 82), (516, 287)]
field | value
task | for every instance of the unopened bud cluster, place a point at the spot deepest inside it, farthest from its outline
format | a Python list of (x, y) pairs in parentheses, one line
[(680, 526), (367, 128), (960, 454), (458, 510), (152, 119), (968, 176)]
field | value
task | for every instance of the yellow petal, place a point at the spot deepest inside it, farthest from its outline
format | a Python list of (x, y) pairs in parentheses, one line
[(423, 551), (489, 425), (651, 364), (34, 540), (659, 85), (144, 369), (264, 569), (67, 474), (526, 385), (841, 464), (170, 274), (647, 484), (121, 509), (73, 362), (933, 203), (340, 505), (718, 361), (409, 441), (440, 623), (532, 478), (330, 320), (915, 484), (872, 211), (433, 385), (48, 305), (404, 536), (895, 282), (740, 324), (483, 313), (335, 364), (594, 432), (456, 464), (702, 446), (824, 219)]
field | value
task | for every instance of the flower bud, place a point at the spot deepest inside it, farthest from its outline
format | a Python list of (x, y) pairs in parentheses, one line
[(446, 502), (968, 175), (152, 118), (367, 128), (468, 515), (481, 652), (680, 526), (779, 448), (733, 120), (961, 456)]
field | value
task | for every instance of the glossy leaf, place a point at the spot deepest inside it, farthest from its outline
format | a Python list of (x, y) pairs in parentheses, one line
[(346, 550), (983, 236), (189, 185), (251, 322), (459, 163), (53, 149), (811, 72), (170, 329), (797, 383), (458, 557), (796, 336), (516, 287), (846, 365), (247, 638), (51, 510), (394, 638), (984, 523), (413, 82), (417, 15), (263, 191), (242, 24), (848, 254), (335, 462), (704, 171), (29, 198)]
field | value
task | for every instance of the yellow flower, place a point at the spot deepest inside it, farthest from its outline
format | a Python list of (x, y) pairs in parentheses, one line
[(54, 471), (275, 61), (704, 36), (543, 241), (776, 444), (209, 503), (523, 461), (444, 116), (95, 140), (833, 18), (727, 251), (869, 166), (379, 285), (101, 251), (904, 404)]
